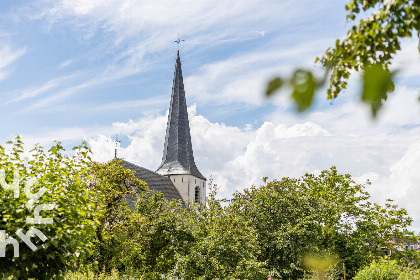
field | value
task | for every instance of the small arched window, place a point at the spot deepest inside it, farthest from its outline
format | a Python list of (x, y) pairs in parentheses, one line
[(197, 194)]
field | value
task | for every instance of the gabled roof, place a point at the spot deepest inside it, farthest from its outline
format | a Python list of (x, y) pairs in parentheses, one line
[(155, 181), (178, 155)]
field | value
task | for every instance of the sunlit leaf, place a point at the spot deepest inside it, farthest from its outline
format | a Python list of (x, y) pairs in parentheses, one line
[(377, 82), (274, 85), (304, 86)]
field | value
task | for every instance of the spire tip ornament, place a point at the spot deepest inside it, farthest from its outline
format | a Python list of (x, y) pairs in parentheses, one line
[(178, 41)]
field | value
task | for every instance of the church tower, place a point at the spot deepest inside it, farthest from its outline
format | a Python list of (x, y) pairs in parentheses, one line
[(178, 159)]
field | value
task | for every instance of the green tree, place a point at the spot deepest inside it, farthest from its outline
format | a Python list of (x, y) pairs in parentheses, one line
[(328, 213), (62, 182), (368, 47), (142, 232), (285, 218), (151, 235), (223, 244), (139, 230), (118, 188)]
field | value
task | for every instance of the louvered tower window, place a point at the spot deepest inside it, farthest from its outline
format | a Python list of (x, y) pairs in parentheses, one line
[(197, 194)]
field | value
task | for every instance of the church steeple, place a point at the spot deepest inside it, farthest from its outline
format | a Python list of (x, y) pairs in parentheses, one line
[(178, 155)]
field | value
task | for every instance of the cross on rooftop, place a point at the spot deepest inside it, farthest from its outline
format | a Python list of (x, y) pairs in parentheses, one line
[(178, 41)]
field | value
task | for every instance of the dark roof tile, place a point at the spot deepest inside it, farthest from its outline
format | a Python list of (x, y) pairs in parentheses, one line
[(155, 181)]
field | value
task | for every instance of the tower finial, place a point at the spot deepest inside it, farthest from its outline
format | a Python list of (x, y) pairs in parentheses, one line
[(178, 41), (116, 146)]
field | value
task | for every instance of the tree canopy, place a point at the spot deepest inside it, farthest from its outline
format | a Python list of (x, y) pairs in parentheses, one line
[(369, 47), (104, 219), (328, 213), (265, 231)]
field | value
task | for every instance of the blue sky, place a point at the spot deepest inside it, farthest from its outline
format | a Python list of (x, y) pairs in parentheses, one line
[(74, 70)]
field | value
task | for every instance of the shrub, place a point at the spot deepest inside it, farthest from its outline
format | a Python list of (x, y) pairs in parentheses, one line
[(386, 269), (70, 206)]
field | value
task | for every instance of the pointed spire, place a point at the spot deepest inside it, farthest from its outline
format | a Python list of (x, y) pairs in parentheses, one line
[(178, 155)]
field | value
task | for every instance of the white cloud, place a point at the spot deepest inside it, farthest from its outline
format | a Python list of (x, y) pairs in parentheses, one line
[(243, 78), (348, 116), (132, 30), (407, 60), (238, 157), (141, 103), (145, 138), (127, 18), (222, 150), (8, 55), (65, 135), (35, 92), (402, 184), (66, 63), (109, 74), (370, 176)]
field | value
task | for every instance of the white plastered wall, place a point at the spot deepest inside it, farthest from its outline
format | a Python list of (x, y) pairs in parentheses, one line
[(186, 186)]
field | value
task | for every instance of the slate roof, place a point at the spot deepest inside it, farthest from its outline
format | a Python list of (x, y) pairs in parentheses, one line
[(178, 155), (155, 181)]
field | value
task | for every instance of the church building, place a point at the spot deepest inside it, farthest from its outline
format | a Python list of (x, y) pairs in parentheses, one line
[(177, 177)]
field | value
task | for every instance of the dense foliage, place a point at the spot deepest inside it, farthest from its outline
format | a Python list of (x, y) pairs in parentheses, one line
[(160, 237), (65, 181), (223, 244), (325, 213), (107, 220), (263, 231), (116, 188)]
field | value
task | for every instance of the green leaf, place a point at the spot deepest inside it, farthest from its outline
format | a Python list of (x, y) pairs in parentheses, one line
[(377, 82), (274, 85), (304, 86)]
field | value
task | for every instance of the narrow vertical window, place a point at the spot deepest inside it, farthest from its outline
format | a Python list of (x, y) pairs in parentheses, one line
[(197, 194)]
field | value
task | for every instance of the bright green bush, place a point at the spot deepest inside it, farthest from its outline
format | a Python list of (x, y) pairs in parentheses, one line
[(382, 270), (113, 275), (386, 269), (72, 209)]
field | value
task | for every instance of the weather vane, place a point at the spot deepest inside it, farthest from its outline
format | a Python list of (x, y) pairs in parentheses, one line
[(178, 41), (116, 145)]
